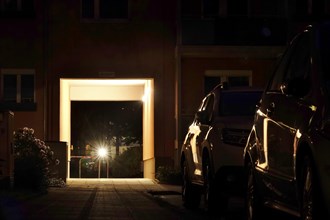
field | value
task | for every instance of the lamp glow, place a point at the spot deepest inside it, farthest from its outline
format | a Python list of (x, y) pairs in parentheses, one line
[(102, 152)]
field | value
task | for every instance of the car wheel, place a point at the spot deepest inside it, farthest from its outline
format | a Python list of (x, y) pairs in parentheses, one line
[(211, 193), (208, 186), (252, 201), (311, 205), (190, 194)]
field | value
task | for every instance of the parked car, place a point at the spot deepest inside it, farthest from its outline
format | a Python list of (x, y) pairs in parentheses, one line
[(211, 155), (287, 156)]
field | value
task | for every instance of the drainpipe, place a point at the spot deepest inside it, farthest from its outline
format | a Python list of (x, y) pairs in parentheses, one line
[(45, 35), (177, 148)]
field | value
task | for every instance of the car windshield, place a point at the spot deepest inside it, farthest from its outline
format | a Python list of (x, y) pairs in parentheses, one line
[(324, 47), (238, 103)]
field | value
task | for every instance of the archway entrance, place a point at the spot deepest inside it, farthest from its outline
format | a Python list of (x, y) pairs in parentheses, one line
[(110, 90)]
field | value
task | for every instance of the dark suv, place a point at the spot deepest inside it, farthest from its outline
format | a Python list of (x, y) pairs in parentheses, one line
[(287, 156), (211, 155)]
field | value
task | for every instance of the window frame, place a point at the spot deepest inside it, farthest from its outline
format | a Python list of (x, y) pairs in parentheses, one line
[(19, 103)]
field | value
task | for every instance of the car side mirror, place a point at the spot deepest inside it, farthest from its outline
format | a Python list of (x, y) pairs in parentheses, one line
[(298, 87)]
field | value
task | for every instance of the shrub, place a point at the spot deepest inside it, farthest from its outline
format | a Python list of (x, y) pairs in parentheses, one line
[(128, 164), (166, 174), (33, 160)]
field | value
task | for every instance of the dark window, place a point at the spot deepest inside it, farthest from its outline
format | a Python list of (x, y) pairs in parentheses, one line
[(18, 92), (277, 80), (191, 8), (237, 7), (323, 44), (210, 8), (9, 88), (302, 8), (104, 9), (87, 8), (17, 8), (27, 88), (238, 103), (117, 9), (268, 8), (307, 9), (299, 66), (200, 8), (295, 64)]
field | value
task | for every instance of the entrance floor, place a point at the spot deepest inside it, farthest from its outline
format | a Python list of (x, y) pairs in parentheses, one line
[(95, 199)]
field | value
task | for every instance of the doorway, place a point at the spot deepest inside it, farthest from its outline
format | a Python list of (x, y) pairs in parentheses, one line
[(111, 90)]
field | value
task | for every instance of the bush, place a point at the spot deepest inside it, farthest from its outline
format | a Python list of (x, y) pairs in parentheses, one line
[(166, 174), (33, 161), (128, 164)]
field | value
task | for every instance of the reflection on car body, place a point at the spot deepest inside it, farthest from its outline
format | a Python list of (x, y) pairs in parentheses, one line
[(287, 153), (211, 156)]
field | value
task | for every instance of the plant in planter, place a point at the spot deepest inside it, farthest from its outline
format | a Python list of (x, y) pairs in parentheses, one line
[(33, 160)]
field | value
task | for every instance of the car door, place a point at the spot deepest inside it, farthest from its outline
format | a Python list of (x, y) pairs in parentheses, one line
[(282, 113)]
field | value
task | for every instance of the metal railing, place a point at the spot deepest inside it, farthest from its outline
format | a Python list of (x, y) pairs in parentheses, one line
[(99, 165)]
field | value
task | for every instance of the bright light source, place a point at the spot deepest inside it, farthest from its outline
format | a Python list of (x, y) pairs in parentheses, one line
[(102, 152)]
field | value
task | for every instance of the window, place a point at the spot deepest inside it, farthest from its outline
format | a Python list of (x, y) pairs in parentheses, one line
[(233, 78), (237, 7), (324, 45), (269, 8), (9, 88), (17, 8), (210, 8), (200, 8), (307, 9), (234, 8), (18, 89), (104, 9)]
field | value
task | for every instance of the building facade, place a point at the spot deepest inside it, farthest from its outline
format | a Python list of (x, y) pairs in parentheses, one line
[(182, 47)]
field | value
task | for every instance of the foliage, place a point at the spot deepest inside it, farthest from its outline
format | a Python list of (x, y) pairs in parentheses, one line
[(56, 182), (114, 123), (127, 164), (166, 174), (34, 160)]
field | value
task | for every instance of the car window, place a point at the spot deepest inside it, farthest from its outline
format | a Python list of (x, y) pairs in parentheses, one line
[(323, 45), (292, 64), (278, 75), (300, 63), (207, 107), (238, 103)]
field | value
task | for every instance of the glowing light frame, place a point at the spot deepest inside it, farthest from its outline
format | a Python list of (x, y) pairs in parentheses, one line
[(110, 90)]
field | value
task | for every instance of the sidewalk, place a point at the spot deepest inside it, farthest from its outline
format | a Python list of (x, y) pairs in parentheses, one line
[(96, 199)]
